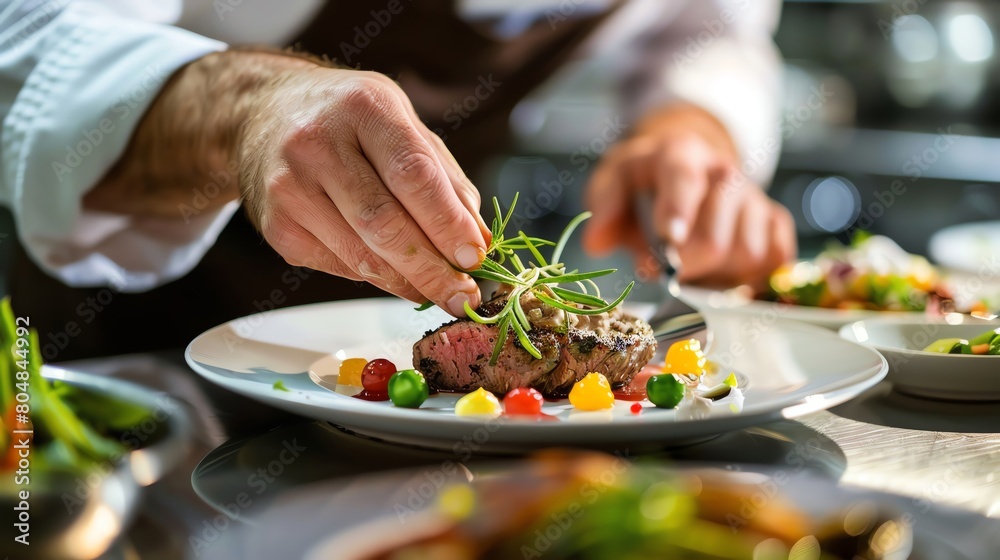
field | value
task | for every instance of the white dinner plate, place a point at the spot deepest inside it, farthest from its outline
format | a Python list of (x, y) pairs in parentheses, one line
[(968, 247), (736, 301), (930, 374), (788, 369)]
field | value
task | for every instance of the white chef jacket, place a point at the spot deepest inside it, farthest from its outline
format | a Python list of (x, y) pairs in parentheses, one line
[(77, 75)]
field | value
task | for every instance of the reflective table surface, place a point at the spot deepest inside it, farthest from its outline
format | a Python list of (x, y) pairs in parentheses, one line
[(246, 455)]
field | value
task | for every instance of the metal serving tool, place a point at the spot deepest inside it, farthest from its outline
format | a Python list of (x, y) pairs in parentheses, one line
[(673, 318)]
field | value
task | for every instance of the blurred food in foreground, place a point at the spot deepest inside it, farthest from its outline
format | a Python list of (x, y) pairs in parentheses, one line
[(52, 426), (596, 507)]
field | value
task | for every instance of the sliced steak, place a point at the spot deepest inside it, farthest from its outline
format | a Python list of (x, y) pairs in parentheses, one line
[(456, 356)]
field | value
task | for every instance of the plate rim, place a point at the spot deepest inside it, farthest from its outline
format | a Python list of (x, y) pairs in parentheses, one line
[(420, 424)]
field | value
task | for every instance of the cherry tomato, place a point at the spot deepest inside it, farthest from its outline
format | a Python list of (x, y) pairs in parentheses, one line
[(593, 392), (350, 371), (375, 376), (685, 358), (408, 388), (524, 401), (665, 391)]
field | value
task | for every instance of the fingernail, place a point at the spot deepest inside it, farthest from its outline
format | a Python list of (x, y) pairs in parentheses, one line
[(469, 256), (457, 304), (678, 231)]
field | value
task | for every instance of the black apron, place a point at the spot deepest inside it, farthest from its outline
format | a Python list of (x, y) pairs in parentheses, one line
[(463, 82)]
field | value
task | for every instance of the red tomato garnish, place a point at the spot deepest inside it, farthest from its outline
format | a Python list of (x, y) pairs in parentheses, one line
[(375, 376), (523, 401), (636, 408)]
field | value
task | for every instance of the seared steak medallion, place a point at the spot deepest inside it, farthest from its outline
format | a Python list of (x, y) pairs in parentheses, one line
[(456, 356)]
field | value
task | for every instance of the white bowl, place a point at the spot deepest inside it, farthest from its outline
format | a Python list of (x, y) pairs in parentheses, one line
[(931, 375)]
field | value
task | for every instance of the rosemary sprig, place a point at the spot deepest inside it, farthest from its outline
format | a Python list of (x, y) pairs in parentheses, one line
[(539, 276)]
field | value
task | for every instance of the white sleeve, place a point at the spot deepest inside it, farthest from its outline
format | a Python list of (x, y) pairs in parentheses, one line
[(719, 55), (75, 80)]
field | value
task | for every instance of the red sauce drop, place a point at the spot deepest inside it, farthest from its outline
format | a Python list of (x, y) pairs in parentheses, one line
[(367, 395), (636, 389), (636, 409)]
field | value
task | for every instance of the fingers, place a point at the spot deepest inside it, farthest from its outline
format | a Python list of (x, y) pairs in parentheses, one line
[(317, 215), (466, 191), (783, 246), (751, 242), (464, 188), (410, 169), (620, 175), (681, 186), (741, 240), (607, 198), (710, 243), (406, 226), (388, 230), (299, 248)]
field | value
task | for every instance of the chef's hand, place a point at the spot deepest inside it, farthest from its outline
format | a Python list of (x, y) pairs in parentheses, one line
[(340, 175), (725, 229), (336, 170)]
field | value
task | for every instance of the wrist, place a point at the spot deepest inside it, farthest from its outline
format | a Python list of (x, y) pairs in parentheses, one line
[(188, 142), (683, 117)]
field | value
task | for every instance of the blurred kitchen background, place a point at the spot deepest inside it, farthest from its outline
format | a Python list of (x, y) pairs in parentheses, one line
[(914, 97)]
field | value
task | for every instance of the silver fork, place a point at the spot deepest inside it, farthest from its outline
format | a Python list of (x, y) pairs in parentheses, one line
[(673, 318)]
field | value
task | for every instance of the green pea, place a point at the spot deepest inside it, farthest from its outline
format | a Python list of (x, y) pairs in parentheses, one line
[(665, 391), (408, 388)]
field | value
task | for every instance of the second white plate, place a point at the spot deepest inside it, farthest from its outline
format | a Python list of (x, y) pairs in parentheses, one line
[(708, 301)]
